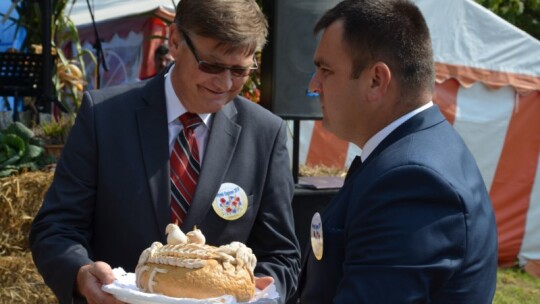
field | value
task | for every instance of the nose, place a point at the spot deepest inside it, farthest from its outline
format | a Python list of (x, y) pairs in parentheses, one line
[(314, 84), (224, 80)]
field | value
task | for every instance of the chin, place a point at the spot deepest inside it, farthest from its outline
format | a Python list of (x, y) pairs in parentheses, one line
[(214, 106), (326, 124)]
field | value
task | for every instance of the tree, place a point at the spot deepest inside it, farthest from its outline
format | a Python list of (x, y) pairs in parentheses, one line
[(525, 14)]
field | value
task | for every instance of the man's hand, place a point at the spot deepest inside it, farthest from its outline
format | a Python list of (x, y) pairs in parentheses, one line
[(90, 278), (263, 282)]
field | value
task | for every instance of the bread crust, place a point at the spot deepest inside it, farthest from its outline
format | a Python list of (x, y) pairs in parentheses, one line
[(212, 280), (188, 268)]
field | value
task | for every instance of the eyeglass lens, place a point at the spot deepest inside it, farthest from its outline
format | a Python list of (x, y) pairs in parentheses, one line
[(214, 68)]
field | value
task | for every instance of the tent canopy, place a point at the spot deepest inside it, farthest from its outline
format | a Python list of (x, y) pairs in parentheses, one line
[(474, 40), (106, 10)]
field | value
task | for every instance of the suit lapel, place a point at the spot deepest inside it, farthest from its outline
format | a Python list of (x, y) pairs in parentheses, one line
[(423, 120), (222, 142), (420, 121), (153, 134)]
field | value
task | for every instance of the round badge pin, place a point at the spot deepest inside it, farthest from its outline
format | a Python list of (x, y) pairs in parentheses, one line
[(231, 202), (317, 236)]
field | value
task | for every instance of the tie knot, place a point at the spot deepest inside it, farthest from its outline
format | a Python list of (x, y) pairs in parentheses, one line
[(190, 120)]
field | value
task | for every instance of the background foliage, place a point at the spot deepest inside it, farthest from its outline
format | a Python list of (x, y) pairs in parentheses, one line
[(525, 14)]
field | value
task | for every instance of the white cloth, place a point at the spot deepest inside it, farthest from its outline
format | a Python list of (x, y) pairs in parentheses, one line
[(124, 289)]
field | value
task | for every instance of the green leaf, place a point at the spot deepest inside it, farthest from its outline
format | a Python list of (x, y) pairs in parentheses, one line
[(10, 161), (34, 151), (21, 130), (17, 143), (7, 172)]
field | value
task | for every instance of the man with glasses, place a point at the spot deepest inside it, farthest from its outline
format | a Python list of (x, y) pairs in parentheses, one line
[(114, 193)]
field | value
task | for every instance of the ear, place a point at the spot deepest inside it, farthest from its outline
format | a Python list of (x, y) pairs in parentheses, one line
[(174, 37), (380, 76)]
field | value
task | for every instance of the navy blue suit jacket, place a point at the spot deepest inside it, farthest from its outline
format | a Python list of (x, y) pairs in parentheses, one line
[(414, 224)]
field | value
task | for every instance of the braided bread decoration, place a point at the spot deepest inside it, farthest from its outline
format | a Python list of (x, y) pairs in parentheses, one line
[(188, 268)]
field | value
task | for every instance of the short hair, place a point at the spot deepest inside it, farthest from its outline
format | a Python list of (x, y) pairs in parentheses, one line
[(392, 31), (161, 51), (234, 23)]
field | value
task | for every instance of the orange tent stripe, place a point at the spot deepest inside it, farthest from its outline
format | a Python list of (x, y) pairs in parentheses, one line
[(467, 76), (446, 98), (514, 177), (326, 149)]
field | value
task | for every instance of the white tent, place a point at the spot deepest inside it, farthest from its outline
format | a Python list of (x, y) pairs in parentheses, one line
[(488, 87), (498, 105), (126, 29), (107, 10)]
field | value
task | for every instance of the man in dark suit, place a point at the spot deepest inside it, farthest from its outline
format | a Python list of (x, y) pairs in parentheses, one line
[(414, 222), (161, 59), (111, 194)]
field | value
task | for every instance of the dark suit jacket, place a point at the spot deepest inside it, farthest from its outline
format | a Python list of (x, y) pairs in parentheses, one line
[(413, 224), (110, 196)]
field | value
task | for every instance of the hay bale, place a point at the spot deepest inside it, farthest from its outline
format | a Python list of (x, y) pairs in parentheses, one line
[(320, 170), (20, 199), (21, 283)]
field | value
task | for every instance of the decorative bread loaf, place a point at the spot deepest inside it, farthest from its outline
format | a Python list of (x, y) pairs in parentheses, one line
[(188, 268)]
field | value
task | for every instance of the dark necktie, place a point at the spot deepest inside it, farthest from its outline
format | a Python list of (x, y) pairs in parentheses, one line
[(184, 167), (357, 161)]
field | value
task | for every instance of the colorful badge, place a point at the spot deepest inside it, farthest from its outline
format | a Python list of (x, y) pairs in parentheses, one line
[(317, 236), (231, 202)]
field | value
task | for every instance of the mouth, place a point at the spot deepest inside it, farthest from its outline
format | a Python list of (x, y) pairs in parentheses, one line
[(215, 92)]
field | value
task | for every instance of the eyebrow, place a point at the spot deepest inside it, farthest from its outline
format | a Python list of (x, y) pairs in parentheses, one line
[(320, 62)]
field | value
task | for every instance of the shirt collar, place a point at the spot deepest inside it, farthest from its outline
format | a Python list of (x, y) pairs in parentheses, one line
[(376, 139)]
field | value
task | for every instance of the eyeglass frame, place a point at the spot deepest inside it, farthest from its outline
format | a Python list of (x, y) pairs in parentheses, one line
[(216, 68)]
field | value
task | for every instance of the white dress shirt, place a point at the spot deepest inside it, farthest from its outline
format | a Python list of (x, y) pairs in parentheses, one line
[(376, 139), (175, 109)]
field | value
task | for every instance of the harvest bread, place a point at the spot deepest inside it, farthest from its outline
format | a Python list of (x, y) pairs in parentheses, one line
[(188, 268)]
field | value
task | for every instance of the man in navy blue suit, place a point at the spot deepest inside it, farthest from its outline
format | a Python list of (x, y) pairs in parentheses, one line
[(414, 222)]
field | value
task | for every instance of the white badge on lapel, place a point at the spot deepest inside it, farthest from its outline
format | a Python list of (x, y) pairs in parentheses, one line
[(231, 202), (317, 236)]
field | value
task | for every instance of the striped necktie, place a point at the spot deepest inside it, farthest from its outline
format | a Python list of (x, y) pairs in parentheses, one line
[(184, 167)]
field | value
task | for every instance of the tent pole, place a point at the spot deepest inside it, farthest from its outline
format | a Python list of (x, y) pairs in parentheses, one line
[(99, 48), (47, 56)]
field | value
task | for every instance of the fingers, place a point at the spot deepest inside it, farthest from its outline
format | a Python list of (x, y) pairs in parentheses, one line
[(263, 282), (90, 278), (103, 272)]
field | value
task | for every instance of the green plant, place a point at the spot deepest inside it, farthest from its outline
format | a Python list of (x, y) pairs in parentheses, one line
[(516, 286), (55, 131), (20, 149), (69, 77), (524, 14)]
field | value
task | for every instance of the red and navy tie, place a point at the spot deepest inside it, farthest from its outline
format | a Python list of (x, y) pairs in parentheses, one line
[(185, 167)]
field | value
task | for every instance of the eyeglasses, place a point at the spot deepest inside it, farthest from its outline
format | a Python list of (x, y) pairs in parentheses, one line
[(216, 68)]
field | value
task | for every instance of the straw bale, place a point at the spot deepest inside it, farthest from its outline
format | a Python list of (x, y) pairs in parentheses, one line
[(20, 199), (21, 283), (320, 170)]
